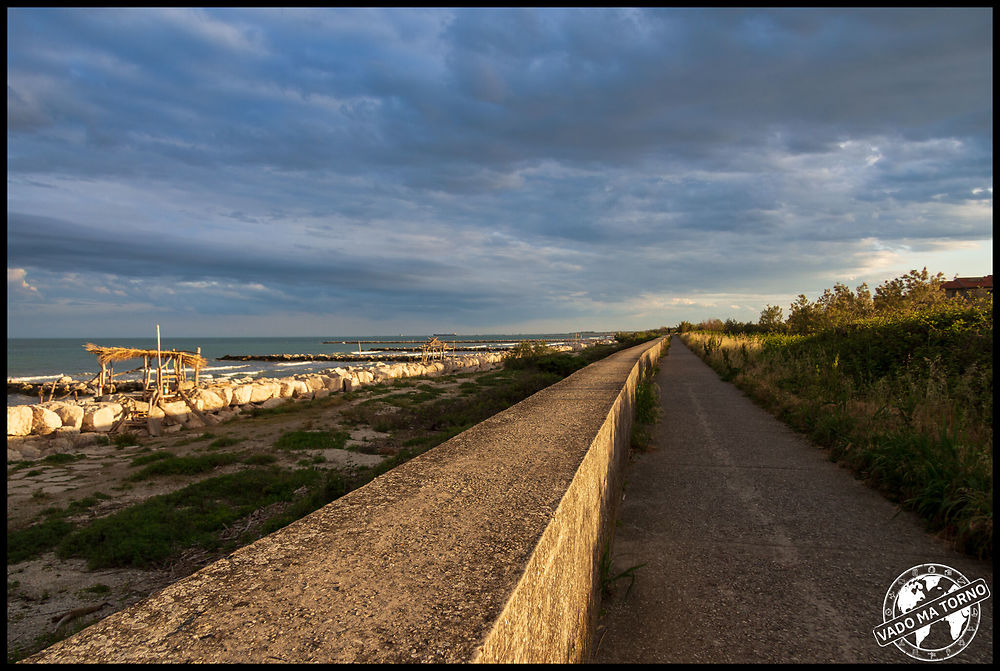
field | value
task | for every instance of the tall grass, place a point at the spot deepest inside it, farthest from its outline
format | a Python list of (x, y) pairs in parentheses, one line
[(905, 401), (647, 405)]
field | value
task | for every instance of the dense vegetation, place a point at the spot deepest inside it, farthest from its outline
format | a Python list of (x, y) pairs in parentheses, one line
[(899, 386)]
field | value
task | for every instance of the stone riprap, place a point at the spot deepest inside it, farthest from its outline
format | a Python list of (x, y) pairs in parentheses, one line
[(34, 431), (485, 548)]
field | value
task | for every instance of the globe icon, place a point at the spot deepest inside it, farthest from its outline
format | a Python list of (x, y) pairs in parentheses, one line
[(940, 638), (925, 588)]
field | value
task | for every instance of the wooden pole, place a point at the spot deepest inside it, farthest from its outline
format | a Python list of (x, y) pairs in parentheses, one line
[(159, 362)]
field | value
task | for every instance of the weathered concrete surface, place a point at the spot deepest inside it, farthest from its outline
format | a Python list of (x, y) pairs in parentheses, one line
[(756, 547), (482, 549)]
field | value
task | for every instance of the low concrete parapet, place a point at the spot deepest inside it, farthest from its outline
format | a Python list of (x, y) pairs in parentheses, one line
[(483, 549)]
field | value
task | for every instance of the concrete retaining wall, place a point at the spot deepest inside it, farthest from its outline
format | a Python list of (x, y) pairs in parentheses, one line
[(483, 549)]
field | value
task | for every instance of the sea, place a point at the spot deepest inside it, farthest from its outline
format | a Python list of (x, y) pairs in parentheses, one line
[(37, 360)]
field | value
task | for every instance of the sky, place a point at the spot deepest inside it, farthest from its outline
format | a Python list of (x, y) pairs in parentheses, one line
[(269, 172)]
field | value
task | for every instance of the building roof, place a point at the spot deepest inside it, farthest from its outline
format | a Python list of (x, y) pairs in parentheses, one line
[(969, 283)]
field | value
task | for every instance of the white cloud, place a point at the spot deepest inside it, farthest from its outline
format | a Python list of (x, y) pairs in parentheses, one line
[(18, 277), (197, 22)]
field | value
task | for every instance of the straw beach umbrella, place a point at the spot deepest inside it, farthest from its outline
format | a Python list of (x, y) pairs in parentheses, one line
[(108, 356)]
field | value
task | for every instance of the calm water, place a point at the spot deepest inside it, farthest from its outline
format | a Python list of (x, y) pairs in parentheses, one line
[(46, 359)]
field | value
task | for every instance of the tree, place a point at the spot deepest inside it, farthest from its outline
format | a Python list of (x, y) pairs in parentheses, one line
[(711, 325), (916, 289), (842, 306), (771, 319), (803, 317)]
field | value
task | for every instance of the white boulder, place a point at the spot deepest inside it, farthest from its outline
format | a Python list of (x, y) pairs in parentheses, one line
[(43, 420), (71, 414), (19, 420), (264, 391), (242, 394), (208, 400), (98, 418)]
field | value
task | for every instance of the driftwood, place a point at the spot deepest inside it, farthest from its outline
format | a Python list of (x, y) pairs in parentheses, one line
[(198, 413), (121, 420), (60, 620)]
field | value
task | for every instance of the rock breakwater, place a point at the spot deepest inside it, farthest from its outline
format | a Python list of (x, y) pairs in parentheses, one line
[(335, 356), (34, 431)]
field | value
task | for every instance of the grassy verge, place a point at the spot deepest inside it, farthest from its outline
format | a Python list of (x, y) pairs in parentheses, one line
[(906, 403), (647, 406)]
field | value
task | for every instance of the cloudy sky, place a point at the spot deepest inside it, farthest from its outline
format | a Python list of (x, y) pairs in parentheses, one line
[(380, 171)]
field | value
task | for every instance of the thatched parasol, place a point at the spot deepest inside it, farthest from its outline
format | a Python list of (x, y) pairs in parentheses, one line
[(106, 355)]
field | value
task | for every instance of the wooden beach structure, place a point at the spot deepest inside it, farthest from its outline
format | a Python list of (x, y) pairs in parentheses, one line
[(168, 366), (434, 349), (164, 377)]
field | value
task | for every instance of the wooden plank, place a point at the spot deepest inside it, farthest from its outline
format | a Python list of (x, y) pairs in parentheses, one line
[(198, 413)]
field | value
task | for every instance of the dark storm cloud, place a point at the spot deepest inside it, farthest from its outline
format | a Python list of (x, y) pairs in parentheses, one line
[(44, 242), (497, 164)]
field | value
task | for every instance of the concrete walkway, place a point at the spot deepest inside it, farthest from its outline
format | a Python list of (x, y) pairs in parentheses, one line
[(756, 548)]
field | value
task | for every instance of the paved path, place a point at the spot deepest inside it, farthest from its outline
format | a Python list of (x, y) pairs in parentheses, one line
[(756, 547)]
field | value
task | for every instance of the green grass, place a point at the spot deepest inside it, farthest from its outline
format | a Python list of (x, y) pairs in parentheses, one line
[(98, 589), (149, 458), (261, 459), (125, 439), (156, 529), (224, 441), (187, 441), (24, 544), (193, 465), (28, 543), (297, 406), (312, 440), (647, 407)]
